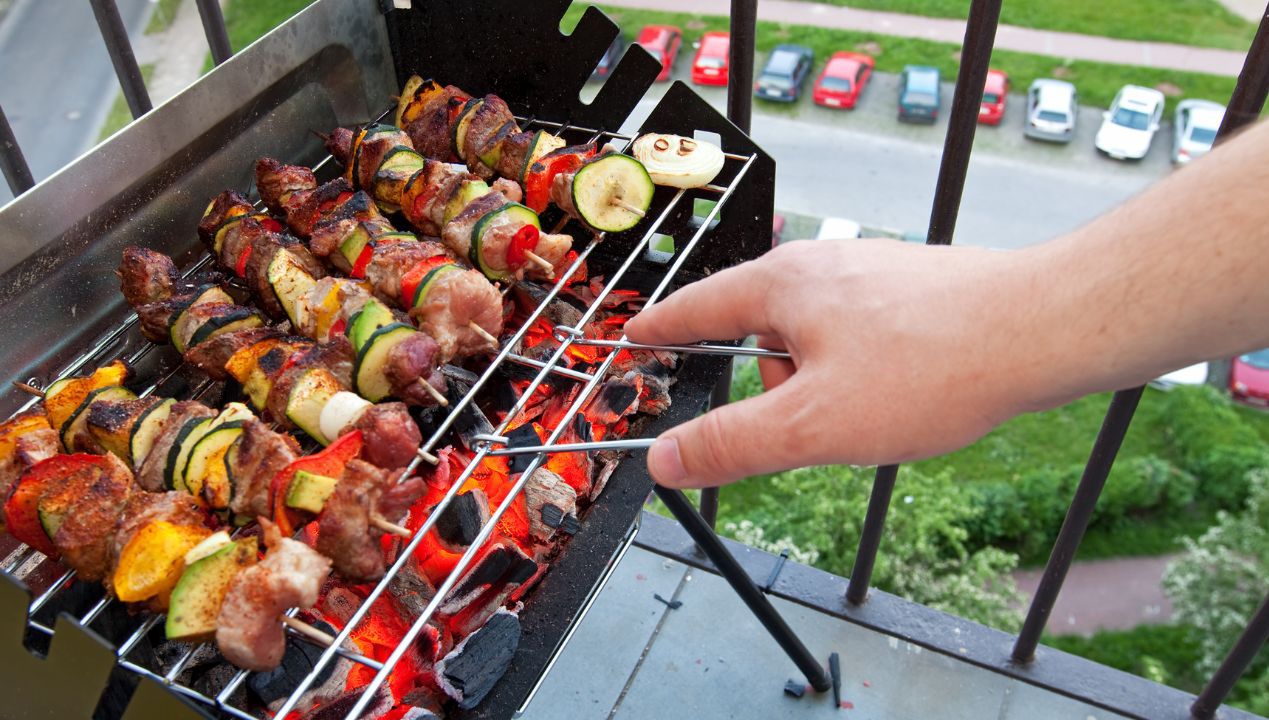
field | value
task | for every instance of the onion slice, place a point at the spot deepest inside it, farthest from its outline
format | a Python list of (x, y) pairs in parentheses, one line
[(677, 161), (341, 411)]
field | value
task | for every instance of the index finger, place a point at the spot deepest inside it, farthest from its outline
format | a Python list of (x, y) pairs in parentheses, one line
[(727, 305)]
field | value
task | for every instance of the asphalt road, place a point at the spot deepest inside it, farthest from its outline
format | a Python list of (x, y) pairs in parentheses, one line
[(865, 165), (58, 82)]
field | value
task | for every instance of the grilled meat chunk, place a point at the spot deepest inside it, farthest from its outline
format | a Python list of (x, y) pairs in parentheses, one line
[(489, 124), (391, 263), (415, 359), (345, 534), (430, 130), (29, 448), (211, 355), (291, 574), (307, 210), (390, 436), (146, 276), (261, 454), (85, 535), (277, 182), (497, 237), (142, 508), (454, 301), (150, 474)]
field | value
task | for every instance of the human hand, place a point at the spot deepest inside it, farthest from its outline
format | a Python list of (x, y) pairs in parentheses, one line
[(899, 352)]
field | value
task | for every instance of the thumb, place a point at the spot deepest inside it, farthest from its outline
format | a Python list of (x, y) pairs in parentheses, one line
[(750, 437)]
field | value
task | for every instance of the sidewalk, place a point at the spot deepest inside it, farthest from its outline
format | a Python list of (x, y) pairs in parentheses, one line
[(1115, 594), (1045, 42)]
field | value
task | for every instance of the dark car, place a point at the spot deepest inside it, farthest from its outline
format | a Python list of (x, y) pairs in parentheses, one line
[(610, 57), (919, 94), (784, 73)]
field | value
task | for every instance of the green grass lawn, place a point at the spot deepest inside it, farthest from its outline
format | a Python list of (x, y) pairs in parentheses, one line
[(1205, 23), (247, 20), (1097, 82), (119, 114)]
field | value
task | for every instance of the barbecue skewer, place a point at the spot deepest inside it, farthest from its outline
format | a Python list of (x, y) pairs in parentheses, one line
[(563, 333), (627, 444)]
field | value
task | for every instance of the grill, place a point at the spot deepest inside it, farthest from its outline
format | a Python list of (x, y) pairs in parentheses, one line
[(335, 64)]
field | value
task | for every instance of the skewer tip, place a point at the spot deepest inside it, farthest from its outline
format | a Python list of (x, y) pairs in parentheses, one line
[(627, 206), (471, 325), (540, 262), (429, 457), (26, 388), (436, 394), (390, 528), (307, 630), (323, 136)]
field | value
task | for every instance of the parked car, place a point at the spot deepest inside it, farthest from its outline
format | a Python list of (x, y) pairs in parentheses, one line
[(1196, 124), (995, 92), (920, 94), (611, 55), (710, 65), (843, 79), (777, 229), (835, 228), (785, 73), (1249, 378), (1128, 127), (1052, 108), (1189, 375), (663, 41)]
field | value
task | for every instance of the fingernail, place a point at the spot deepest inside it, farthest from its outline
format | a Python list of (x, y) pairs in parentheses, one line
[(665, 463)]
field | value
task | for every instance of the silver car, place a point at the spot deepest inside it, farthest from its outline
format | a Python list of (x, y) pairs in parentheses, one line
[(1052, 107), (1194, 129)]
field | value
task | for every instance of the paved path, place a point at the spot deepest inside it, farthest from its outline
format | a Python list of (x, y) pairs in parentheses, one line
[(1046, 42), (1116, 594), (1252, 10), (177, 53)]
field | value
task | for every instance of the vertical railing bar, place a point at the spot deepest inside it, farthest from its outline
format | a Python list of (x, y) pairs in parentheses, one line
[(1253, 637), (215, 30), (1252, 87), (1114, 427), (122, 56), (980, 37), (12, 162)]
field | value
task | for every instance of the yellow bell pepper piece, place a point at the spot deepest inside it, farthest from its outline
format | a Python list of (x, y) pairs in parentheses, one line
[(153, 560)]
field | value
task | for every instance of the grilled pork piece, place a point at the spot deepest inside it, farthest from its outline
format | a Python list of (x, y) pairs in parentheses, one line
[(210, 356), (455, 301), (85, 535), (146, 277), (150, 474), (490, 123), (344, 532), (495, 240), (390, 436), (30, 447), (262, 454), (142, 508), (291, 574), (391, 263)]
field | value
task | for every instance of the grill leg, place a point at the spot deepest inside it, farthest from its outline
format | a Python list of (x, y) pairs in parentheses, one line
[(1240, 656), (870, 538), (12, 162), (744, 586)]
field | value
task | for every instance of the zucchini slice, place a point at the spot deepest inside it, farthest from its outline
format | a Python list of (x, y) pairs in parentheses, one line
[(147, 429), (353, 243), (461, 124), (76, 424), (429, 280), (240, 319), (190, 435), (291, 284), (492, 152), (368, 375), (470, 190), (509, 213), (310, 491), (372, 316), (412, 86), (308, 396), (179, 331), (603, 185), (207, 459)]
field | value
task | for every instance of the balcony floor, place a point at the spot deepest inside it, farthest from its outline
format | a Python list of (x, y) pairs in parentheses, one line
[(635, 658)]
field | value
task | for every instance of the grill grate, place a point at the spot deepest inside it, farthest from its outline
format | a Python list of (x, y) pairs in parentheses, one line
[(112, 346)]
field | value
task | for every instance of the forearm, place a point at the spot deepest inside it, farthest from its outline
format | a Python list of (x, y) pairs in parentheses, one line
[(1177, 275)]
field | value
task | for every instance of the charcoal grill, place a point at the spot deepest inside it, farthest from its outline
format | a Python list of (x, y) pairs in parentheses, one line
[(336, 63)]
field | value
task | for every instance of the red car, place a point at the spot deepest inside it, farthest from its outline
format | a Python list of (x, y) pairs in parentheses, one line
[(1249, 378), (663, 42), (710, 65), (992, 111), (843, 79)]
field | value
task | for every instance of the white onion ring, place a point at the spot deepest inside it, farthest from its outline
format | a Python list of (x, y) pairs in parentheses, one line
[(677, 161)]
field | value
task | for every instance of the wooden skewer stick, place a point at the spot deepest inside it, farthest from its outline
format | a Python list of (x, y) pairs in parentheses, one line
[(389, 527), (429, 457), (307, 630), (539, 261), (324, 137), (482, 332), (28, 388), (436, 394), (627, 206)]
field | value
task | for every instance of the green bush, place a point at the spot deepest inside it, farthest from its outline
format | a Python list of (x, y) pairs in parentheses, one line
[(1214, 443)]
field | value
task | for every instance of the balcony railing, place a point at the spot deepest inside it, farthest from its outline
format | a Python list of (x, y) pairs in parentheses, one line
[(851, 599)]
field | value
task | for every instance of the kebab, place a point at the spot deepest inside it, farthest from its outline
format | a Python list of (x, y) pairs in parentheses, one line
[(457, 307), (608, 192)]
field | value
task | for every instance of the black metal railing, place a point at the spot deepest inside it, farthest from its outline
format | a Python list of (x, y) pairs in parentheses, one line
[(1244, 107)]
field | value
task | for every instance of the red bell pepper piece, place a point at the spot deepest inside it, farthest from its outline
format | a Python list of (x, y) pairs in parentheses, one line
[(338, 327), (525, 240), (412, 277), (537, 182), (363, 261), (21, 511), (329, 462), (271, 224), (240, 267)]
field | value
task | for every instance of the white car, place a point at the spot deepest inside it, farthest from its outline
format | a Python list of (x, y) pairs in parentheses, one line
[(1190, 375), (1130, 124), (1052, 107), (835, 228), (1196, 124)]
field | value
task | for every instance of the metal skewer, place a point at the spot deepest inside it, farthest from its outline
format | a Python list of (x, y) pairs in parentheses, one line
[(628, 444), (698, 349)]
